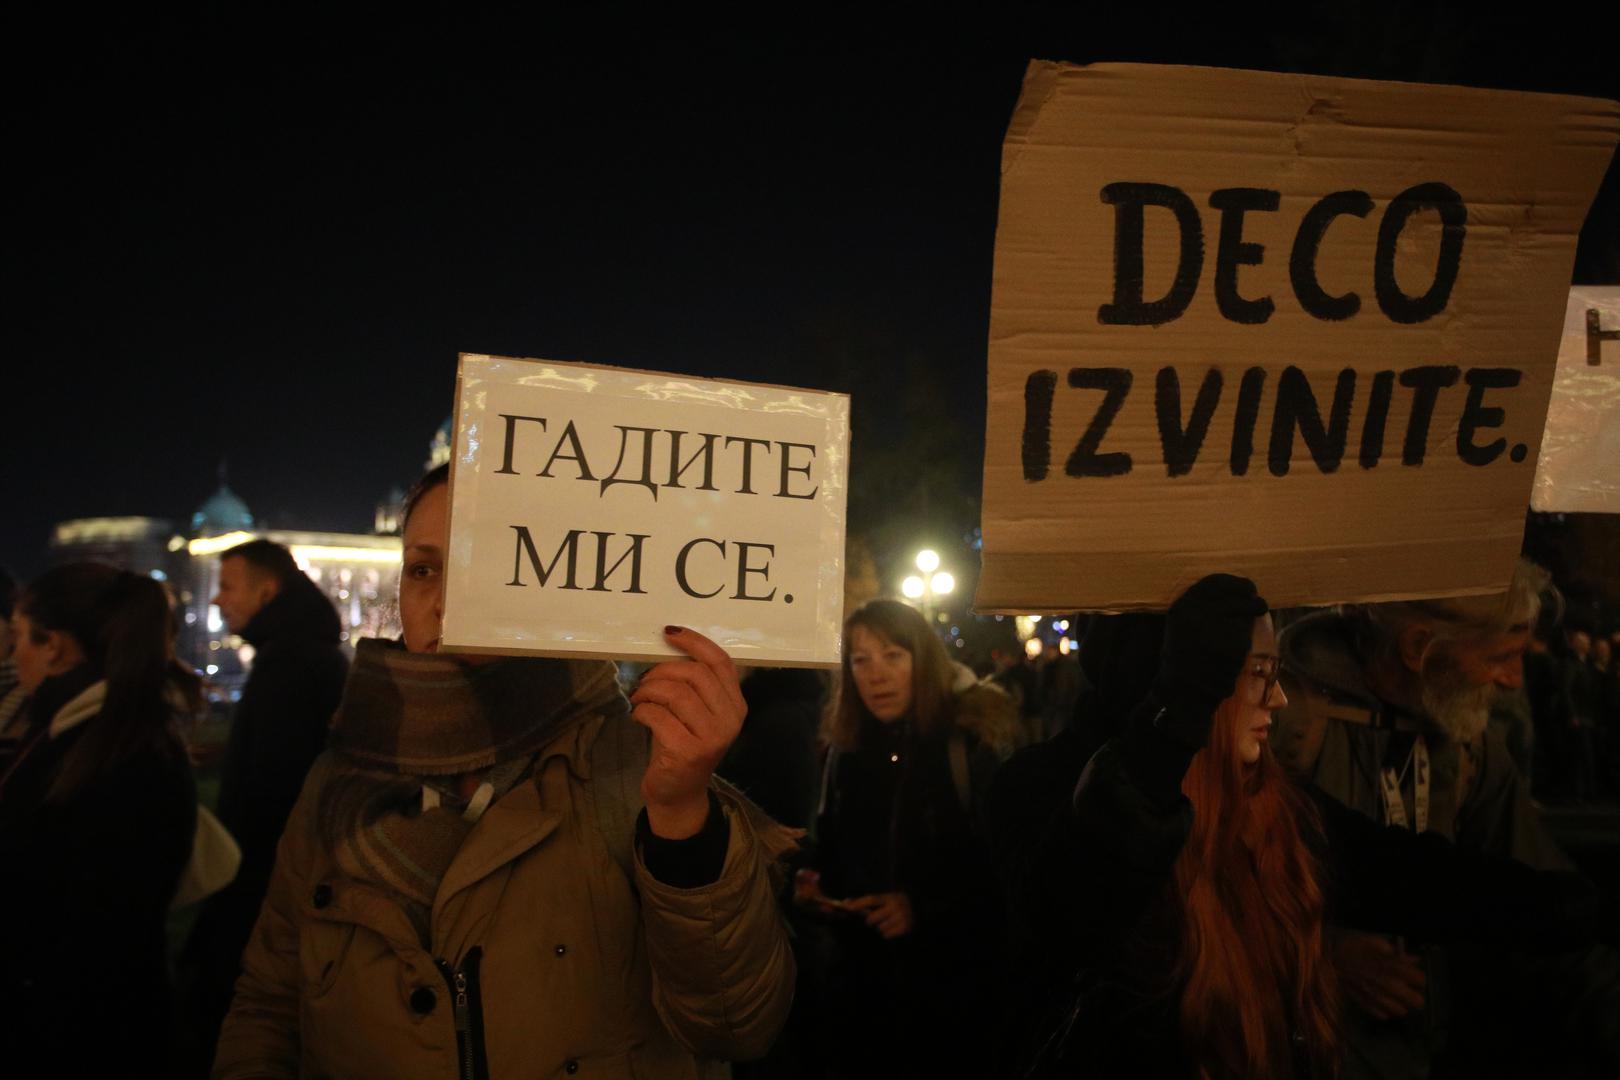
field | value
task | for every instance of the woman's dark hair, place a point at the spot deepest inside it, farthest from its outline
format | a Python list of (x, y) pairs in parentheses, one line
[(437, 476), (124, 624), (931, 674)]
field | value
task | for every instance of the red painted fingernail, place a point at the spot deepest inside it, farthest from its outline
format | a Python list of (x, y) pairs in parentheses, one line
[(672, 630)]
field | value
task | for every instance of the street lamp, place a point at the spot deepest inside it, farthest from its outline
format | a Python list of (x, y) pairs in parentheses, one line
[(931, 583)]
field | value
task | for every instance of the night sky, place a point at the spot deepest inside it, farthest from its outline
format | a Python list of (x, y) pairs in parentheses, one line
[(265, 242)]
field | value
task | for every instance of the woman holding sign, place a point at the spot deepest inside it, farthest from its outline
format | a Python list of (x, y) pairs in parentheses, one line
[(1200, 879), (493, 872), (901, 844)]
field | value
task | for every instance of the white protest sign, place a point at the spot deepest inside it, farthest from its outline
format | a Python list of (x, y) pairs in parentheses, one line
[(1579, 467), (592, 506)]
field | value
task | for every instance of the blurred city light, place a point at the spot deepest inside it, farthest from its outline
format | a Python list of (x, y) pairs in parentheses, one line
[(306, 553), (213, 545), (931, 584)]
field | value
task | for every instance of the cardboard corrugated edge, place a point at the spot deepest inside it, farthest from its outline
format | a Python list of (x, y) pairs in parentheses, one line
[(1041, 83)]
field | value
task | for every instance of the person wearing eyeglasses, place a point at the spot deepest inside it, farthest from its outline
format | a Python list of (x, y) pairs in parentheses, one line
[(1202, 879)]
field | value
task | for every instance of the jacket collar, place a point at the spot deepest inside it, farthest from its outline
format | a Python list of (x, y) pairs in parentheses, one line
[(80, 708), (300, 609), (88, 703)]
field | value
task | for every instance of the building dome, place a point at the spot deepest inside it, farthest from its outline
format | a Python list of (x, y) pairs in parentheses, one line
[(223, 513), (389, 511)]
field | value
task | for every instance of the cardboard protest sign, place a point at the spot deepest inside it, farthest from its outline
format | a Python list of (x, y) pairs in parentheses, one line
[(592, 506), (1292, 327), (1579, 467)]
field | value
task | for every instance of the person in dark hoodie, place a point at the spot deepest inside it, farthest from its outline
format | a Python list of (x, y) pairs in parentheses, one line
[(774, 760), (278, 728), (1119, 655)]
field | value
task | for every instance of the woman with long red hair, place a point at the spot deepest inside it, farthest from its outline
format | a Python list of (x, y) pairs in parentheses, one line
[(1202, 878), (1256, 981)]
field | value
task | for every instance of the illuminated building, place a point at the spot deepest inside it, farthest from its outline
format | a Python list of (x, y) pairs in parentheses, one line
[(358, 572), (139, 544)]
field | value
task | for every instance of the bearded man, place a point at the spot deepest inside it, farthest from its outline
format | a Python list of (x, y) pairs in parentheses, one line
[(1388, 710)]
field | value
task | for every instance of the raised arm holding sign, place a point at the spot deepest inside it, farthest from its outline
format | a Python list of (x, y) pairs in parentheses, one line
[(694, 709)]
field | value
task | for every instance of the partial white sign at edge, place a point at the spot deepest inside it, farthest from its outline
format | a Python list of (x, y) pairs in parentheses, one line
[(1579, 467)]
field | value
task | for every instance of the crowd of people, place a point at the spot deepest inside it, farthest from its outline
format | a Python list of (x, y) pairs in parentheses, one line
[(1571, 700), (1223, 842)]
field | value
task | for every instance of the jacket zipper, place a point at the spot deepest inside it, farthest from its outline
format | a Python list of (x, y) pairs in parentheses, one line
[(469, 1014)]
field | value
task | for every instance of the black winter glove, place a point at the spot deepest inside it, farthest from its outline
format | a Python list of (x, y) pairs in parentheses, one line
[(1207, 636)]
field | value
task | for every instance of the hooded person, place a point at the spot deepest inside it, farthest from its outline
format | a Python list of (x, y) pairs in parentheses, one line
[(1118, 657)]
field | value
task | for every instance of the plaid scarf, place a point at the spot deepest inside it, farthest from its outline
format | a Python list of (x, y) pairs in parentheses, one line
[(408, 717)]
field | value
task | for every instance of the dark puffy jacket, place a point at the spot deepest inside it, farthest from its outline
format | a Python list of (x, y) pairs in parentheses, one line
[(775, 760), (1118, 657), (277, 730), (279, 726), (895, 821), (84, 982)]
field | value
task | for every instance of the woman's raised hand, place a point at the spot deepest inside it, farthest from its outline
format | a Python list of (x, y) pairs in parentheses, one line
[(694, 709)]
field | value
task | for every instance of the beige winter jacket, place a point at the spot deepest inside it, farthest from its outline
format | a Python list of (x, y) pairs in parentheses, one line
[(583, 971)]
